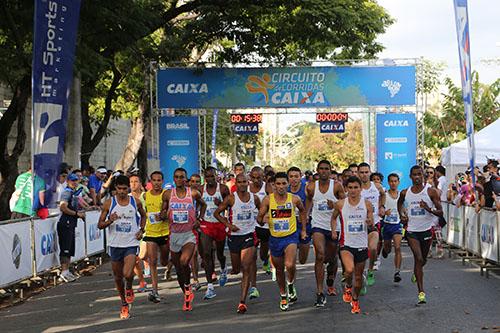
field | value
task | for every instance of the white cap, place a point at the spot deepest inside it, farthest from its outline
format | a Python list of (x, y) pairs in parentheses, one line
[(102, 170)]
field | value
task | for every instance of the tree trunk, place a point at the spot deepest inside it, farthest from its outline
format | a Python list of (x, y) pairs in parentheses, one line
[(142, 155)]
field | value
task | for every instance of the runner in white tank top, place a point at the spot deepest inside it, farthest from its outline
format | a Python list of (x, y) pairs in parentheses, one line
[(321, 210), (243, 215), (122, 233), (211, 206), (372, 194), (353, 221)]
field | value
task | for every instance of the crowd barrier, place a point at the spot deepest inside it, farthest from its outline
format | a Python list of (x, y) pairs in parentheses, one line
[(476, 233), (30, 247)]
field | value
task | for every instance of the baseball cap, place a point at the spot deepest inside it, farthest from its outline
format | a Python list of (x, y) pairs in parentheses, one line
[(73, 177), (102, 170)]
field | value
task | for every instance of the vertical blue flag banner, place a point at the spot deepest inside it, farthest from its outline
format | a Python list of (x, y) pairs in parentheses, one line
[(178, 145), (214, 136), (462, 23), (396, 146), (55, 31)]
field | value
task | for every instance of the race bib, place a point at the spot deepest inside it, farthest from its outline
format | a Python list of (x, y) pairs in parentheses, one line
[(210, 212), (152, 218), (123, 227), (417, 211), (180, 217), (281, 225), (244, 215), (392, 218), (323, 206), (355, 226)]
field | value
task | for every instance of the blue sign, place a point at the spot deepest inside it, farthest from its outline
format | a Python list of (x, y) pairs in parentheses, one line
[(297, 87), (332, 127), (246, 129), (178, 145), (396, 146), (214, 137), (54, 41)]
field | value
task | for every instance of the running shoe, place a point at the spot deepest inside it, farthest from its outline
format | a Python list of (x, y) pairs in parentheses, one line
[(376, 265), (273, 274), (347, 296), (168, 275), (188, 299), (124, 312), (154, 296), (196, 286), (292, 293), (364, 288), (66, 278), (355, 307), (223, 278), (320, 300), (242, 308), (253, 293), (129, 296), (331, 291), (143, 287), (370, 278), (397, 277), (413, 278), (210, 293), (421, 298), (266, 267), (284, 303)]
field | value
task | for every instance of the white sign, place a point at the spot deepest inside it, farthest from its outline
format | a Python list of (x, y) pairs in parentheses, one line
[(15, 252), (94, 236), (79, 241), (46, 244), (471, 230), (488, 234), (455, 226)]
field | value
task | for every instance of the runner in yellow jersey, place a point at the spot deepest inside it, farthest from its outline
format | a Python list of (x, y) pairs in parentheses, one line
[(284, 237), (157, 231)]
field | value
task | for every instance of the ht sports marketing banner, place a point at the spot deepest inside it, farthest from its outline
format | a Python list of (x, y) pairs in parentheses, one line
[(297, 87), (462, 23), (214, 137), (178, 145), (396, 146), (56, 23)]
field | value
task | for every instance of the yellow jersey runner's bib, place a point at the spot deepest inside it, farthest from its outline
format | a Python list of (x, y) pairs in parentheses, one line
[(152, 206), (282, 219)]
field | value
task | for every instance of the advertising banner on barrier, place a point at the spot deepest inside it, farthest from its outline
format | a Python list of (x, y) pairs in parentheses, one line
[(488, 235), (471, 230), (95, 236), (444, 230), (79, 241), (16, 261), (178, 145), (396, 146), (278, 87), (455, 226), (46, 244)]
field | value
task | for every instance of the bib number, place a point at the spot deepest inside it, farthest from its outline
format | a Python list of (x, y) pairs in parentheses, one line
[(152, 218), (392, 218), (123, 227), (281, 225), (180, 217), (417, 211), (210, 212), (323, 206), (355, 226)]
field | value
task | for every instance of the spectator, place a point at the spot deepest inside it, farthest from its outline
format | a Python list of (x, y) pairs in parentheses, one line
[(442, 183), (488, 185), (95, 184), (61, 184), (431, 177), (24, 205)]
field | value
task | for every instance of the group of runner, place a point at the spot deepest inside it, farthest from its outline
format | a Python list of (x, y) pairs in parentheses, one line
[(351, 218)]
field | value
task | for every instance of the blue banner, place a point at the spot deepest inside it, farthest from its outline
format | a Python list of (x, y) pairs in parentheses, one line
[(214, 137), (178, 145), (297, 87), (246, 129), (56, 24), (332, 127), (396, 146), (462, 23)]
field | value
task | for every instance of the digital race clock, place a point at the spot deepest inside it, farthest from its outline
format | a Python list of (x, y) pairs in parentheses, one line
[(328, 117), (253, 118)]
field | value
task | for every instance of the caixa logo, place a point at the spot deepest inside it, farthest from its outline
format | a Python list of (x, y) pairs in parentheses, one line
[(487, 233), (94, 233), (48, 243)]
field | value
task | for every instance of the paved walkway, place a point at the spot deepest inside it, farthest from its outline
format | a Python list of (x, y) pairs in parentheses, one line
[(459, 300)]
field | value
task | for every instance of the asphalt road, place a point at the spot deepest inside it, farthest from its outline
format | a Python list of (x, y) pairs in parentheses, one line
[(459, 300)]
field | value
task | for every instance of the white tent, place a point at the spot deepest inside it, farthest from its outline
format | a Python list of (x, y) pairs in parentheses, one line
[(455, 158)]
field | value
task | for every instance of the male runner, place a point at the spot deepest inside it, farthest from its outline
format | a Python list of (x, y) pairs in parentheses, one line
[(212, 231), (157, 231), (179, 208), (242, 239), (356, 216), (374, 193), (354, 169), (238, 168), (298, 188), (280, 206), (321, 196), (119, 213), (391, 230), (423, 204)]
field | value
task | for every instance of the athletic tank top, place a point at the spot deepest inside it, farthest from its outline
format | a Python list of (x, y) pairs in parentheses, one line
[(372, 194), (152, 206), (181, 212), (243, 215), (418, 218), (391, 204), (211, 206), (282, 219), (354, 229), (261, 194), (121, 233), (321, 213)]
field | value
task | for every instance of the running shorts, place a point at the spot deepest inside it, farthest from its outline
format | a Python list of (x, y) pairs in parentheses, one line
[(359, 254), (277, 245), (389, 230), (327, 233), (119, 253), (179, 239), (236, 243), (216, 230), (160, 241)]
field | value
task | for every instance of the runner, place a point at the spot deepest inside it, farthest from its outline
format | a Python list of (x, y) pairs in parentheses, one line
[(212, 231), (391, 230), (195, 183), (374, 193), (157, 231), (119, 213), (237, 169), (321, 196), (356, 216), (298, 188), (136, 192), (423, 204), (280, 206), (178, 207), (242, 239)]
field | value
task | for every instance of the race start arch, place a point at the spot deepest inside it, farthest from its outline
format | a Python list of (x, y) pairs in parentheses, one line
[(385, 93)]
